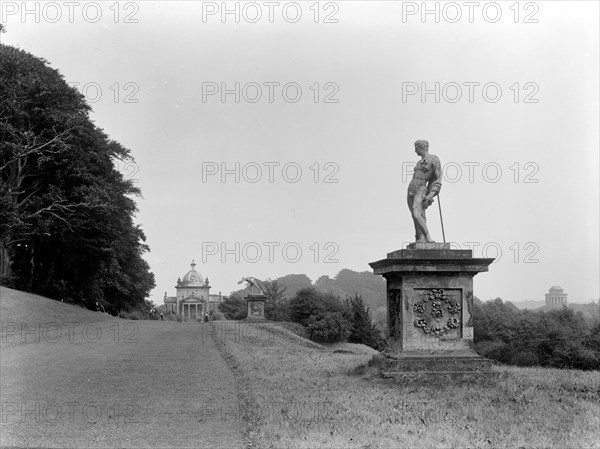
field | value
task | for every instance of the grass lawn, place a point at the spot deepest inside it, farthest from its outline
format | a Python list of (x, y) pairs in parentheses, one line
[(302, 396), (74, 378), (98, 381)]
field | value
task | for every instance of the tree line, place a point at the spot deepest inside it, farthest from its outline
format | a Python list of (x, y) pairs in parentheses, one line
[(561, 338), (66, 212)]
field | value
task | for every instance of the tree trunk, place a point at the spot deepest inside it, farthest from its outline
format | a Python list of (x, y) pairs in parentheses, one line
[(5, 262)]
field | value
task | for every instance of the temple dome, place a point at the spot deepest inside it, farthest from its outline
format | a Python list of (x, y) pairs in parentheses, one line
[(556, 288), (192, 278)]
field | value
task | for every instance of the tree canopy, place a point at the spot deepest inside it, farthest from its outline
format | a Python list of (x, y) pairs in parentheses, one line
[(66, 212)]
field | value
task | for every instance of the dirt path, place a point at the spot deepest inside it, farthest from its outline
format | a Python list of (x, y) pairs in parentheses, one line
[(118, 384)]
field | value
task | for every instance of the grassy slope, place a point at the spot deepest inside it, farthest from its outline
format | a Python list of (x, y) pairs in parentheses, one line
[(304, 397), (21, 307)]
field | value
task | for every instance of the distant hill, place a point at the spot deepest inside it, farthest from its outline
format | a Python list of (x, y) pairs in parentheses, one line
[(24, 308), (349, 283), (294, 282), (529, 304)]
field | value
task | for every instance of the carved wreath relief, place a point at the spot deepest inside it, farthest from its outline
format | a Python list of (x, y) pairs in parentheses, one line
[(436, 313)]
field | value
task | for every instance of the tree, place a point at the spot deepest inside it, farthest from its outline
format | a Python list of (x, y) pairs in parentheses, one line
[(234, 307), (276, 300), (67, 212), (362, 328), (557, 338), (309, 301)]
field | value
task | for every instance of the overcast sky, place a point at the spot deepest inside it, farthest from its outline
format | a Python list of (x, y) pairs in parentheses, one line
[(329, 100)]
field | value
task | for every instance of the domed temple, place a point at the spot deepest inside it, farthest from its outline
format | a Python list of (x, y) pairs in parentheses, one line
[(556, 297), (193, 298)]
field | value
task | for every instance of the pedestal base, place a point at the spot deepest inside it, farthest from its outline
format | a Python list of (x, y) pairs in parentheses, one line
[(451, 363), (430, 311)]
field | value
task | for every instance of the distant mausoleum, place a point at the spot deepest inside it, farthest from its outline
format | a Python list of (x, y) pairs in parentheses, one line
[(193, 298), (556, 298)]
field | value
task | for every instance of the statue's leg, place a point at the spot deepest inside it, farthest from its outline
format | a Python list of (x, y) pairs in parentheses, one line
[(410, 199), (418, 213), (419, 237), (426, 229)]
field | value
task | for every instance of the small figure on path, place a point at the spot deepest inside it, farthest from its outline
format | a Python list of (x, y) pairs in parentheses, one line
[(162, 318), (425, 185)]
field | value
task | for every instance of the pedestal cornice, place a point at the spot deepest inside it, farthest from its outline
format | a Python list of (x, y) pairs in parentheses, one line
[(430, 261)]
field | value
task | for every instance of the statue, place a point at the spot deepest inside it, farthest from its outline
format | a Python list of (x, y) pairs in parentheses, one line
[(256, 283), (425, 185)]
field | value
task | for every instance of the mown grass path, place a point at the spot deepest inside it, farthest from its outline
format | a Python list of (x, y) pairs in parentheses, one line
[(116, 383)]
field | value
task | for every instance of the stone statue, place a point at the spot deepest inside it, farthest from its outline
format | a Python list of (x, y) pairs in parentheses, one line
[(425, 185), (254, 283)]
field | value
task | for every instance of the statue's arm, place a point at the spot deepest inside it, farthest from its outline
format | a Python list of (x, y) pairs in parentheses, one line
[(435, 183)]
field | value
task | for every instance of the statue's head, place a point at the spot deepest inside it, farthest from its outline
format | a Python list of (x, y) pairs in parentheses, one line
[(422, 144)]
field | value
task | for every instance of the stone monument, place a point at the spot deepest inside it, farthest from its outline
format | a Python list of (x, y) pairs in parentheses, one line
[(255, 299), (429, 292)]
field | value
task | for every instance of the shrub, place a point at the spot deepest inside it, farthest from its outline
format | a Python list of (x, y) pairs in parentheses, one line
[(330, 327), (525, 358), (132, 315), (214, 315), (496, 350)]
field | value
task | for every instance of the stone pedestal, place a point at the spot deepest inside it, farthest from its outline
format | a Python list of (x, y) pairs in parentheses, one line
[(256, 307), (430, 309)]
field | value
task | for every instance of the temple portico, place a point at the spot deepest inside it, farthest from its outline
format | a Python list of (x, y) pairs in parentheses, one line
[(193, 298)]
